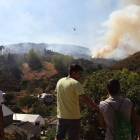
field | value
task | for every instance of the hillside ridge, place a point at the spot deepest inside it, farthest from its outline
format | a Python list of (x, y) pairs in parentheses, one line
[(66, 49), (132, 63)]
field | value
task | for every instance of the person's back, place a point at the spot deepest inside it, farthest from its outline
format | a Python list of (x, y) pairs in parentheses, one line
[(109, 107), (68, 90), (109, 113)]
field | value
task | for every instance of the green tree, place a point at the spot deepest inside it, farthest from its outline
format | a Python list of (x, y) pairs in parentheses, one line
[(8, 97), (15, 135), (34, 60), (62, 63), (24, 83), (44, 84), (99, 66), (43, 110), (27, 102), (16, 109), (13, 65), (88, 65), (50, 135)]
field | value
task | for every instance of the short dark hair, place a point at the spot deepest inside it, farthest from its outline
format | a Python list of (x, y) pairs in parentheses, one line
[(113, 86), (74, 68)]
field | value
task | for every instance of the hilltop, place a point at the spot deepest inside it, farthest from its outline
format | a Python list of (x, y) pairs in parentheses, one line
[(66, 49), (132, 63)]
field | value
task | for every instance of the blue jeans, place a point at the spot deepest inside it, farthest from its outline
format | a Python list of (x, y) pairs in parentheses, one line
[(70, 125)]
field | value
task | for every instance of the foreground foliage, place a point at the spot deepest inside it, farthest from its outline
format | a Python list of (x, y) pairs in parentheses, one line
[(95, 88), (15, 135)]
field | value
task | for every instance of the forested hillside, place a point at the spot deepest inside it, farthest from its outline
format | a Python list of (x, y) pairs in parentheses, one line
[(18, 71)]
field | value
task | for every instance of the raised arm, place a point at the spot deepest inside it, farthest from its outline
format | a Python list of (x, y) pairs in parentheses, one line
[(88, 101), (136, 121)]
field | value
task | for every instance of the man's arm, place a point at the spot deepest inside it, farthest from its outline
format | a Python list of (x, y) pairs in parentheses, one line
[(88, 101), (136, 121), (102, 121), (1, 124)]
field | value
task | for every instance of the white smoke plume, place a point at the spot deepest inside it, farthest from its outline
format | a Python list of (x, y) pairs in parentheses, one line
[(122, 32)]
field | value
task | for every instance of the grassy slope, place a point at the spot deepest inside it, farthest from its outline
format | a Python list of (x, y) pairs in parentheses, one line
[(47, 71), (132, 63)]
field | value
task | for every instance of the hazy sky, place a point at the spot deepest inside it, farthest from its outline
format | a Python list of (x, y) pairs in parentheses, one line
[(52, 21)]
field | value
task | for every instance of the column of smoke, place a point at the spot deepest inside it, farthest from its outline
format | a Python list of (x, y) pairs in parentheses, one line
[(122, 31)]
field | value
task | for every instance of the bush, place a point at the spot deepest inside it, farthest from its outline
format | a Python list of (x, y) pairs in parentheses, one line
[(33, 60), (15, 135)]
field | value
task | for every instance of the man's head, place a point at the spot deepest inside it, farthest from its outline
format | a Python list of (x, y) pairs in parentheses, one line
[(75, 71), (113, 86)]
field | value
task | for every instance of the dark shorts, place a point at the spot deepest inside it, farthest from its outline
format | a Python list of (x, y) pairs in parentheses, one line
[(72, 126)]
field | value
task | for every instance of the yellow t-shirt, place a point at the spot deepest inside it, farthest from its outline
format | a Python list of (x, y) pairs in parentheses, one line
[(68, 90)]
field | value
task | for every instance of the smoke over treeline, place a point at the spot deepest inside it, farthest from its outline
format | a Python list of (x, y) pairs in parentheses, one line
[(121, 34), (72, 50)]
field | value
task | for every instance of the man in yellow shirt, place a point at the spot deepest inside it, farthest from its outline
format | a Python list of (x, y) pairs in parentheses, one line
[(69, 90)]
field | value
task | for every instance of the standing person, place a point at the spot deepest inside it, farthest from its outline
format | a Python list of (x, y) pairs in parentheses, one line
[(69, 90), (1, 118), (115, 102)]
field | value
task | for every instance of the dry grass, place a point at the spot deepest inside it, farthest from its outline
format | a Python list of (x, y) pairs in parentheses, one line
[(47, 71)]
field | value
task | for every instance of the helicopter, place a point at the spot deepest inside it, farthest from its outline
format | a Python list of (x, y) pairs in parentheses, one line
[(74, 29)]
